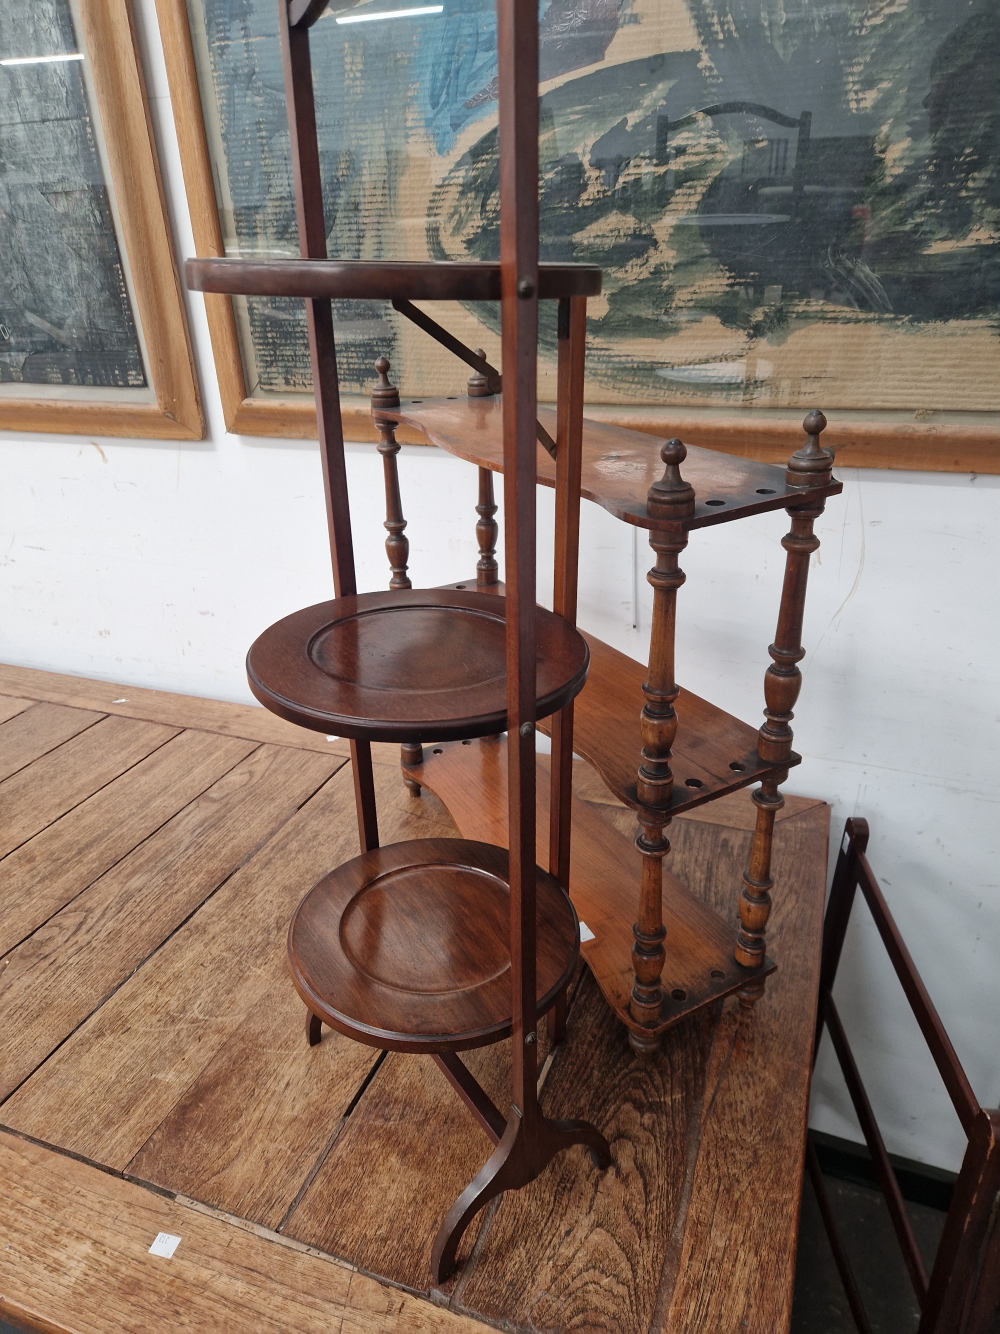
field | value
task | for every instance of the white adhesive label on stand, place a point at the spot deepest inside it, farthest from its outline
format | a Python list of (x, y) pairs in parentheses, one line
[(164, 1245), (586, 933)]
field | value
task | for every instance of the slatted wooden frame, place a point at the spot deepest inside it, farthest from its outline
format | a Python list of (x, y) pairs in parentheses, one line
[(962, 1293)]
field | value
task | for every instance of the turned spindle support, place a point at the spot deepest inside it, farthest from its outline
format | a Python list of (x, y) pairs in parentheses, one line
[(487, 570), (670, 499), (808, 467), (397, 548)]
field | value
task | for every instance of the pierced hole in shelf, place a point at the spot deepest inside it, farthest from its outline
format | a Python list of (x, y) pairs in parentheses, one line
[(466, 743), (678, 994), (416, 400), (452, 398), (765, 490), (737, 767), (459, 585), (437, 751), (715, 502), (717, 972), (693, 782)]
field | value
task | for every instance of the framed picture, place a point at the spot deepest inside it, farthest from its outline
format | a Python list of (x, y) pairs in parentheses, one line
[(793, 207), (93, 336)]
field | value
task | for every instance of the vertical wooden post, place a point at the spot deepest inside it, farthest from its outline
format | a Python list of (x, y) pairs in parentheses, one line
[(569, 463), (671, 500), (809, 466), (517, 50), (530, 1139), (397, 548), (323, 357)]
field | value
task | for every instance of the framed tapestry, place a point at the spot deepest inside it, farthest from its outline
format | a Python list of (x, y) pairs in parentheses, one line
[(93, 335), (794, 205)]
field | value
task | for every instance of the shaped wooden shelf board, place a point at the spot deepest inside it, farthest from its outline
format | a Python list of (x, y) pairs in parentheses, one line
[(619, 465), (406, 280), (713, 752), (470, 779)]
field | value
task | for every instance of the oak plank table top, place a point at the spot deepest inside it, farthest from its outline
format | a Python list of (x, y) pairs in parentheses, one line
[(155, 1076)]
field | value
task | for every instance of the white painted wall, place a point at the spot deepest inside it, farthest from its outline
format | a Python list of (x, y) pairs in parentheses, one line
[(156, 564)]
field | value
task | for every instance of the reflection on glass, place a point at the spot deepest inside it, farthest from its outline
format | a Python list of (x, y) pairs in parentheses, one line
[(793, 203), (65, 314)]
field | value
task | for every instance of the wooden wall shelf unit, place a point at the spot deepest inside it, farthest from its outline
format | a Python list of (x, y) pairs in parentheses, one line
[(678, 751)]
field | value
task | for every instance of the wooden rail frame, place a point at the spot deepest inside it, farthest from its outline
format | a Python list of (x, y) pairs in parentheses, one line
[(962, 1293), (861, 442), (107, 33)]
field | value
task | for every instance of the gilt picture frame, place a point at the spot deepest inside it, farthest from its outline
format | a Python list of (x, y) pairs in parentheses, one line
[(96, 340), (752, 269)]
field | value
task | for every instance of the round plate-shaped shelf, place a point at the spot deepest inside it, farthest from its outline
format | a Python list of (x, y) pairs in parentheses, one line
[(408, 947), (409, 665)]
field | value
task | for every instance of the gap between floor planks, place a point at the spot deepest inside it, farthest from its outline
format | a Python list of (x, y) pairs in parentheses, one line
[(76, 1260)]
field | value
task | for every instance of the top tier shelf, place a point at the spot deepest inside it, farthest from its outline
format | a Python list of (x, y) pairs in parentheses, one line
[(619, 466), (354, 280)]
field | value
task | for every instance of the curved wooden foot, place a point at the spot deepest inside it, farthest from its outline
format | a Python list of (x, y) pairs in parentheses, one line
[(513, 1163), (314, 1029)]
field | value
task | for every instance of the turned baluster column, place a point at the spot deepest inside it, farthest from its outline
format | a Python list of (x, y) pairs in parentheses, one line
[(487, 570), (671, 499), (397, 548), (809, 466)]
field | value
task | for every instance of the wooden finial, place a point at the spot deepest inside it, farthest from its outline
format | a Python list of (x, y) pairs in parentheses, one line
[(478, 385), (384, 395), (811, 465), (671, 497)]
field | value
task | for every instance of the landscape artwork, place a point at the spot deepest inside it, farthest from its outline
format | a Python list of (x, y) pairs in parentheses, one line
[(794, 202), (65, 313)]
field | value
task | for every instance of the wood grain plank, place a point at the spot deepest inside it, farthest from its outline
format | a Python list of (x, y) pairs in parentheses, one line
[(580, 1248), (34, 733), (246, 1134), (32, 798), (48, 871), (136, 1058), (76, 1258), (405, 1155), (11, 706), (734, 1266), (206, 715), (72, 964)]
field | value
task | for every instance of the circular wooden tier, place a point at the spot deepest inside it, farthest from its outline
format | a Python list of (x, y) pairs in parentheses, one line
[(407, 947), (407, 665), (408, 280)]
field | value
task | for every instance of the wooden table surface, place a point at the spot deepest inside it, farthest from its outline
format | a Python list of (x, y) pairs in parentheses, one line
[(154, 1074)]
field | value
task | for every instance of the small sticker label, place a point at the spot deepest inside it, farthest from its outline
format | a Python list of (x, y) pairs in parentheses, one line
[(164, 1245), (333, 738), (846, 843), (119, 701), (586, 933)]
